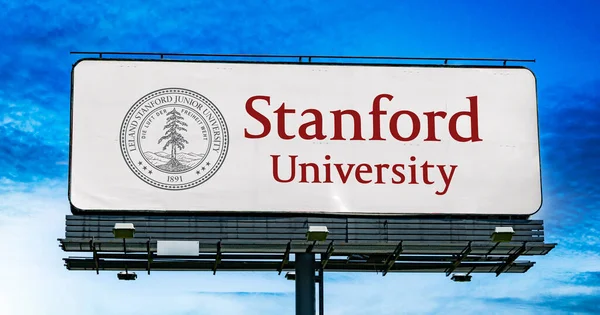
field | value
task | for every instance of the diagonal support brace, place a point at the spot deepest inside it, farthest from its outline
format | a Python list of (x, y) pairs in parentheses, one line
[(286, 257), (149, 255), (95, 253), (218, 258), (391, 260), (465, 252), (327, 255), (511, 259)]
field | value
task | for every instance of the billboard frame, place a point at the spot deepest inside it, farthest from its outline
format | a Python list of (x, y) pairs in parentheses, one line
[(222, 58)]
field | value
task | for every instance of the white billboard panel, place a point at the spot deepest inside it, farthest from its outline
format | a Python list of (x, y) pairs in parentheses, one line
[(180, 136)]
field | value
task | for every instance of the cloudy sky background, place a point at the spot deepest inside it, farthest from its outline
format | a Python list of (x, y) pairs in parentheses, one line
[(35, 65)]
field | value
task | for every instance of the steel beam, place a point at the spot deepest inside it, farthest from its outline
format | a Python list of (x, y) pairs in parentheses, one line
[(305, 284)]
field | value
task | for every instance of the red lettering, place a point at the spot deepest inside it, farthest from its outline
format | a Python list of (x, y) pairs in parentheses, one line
[(377, 113), (276, 168), (416, 125), (398, 173), (327, 170), (258, 116), (446, 177), (472, 114), (303, 171), (380, 168), (337, 124), (317, 122), (281, 111), (425, 167), (431, 124), (360, 171), (344, 176), (413, 172), (313, 128)]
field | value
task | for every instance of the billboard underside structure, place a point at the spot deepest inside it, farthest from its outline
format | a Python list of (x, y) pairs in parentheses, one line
[(369, 244), (301, 139)]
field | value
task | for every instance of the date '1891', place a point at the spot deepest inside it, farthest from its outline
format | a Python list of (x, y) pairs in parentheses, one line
[(174, 179)]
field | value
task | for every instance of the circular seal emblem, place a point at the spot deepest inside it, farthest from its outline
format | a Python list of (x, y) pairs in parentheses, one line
[(174, 139)]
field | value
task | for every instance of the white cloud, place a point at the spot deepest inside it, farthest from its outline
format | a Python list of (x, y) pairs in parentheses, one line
[(34, 280), (18, 122), (574, 290)]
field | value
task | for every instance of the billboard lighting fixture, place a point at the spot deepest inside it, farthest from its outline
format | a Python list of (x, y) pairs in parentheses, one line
[(290, 276), (503, 234), (124, 275), (123, 230), (461, 277), (317, 233)]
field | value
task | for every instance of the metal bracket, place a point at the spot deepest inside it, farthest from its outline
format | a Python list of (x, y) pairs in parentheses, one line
[(391, 260), (218, 258), (511, 259), (328, 253), (310, 247), (465, 252), (286, 257)]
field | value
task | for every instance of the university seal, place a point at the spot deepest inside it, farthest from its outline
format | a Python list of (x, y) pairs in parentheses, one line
[(174, 139)]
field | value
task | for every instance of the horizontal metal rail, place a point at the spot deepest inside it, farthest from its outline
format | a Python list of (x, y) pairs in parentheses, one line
[(299, 58), (296, 219), (341, 248), (285, 237), (334, 265)]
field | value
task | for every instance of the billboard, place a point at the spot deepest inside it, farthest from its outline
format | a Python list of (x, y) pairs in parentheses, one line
[(219, 137)]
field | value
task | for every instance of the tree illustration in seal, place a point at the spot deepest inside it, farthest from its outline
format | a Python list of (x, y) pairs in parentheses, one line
[(175, 124)]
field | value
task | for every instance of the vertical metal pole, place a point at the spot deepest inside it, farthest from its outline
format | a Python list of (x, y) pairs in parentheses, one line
[(321, 301), (305, 284)]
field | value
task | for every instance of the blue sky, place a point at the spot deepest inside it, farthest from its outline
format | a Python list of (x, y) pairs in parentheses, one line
[(36, 37)]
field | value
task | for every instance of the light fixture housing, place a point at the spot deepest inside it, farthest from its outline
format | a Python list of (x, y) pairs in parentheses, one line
[(503, 234), (124, 230), (290, 275), (461, 277), (126, 276), (317, 233)]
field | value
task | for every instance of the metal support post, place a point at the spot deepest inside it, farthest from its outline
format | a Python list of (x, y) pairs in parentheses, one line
[(305, 284), (321, 301)]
